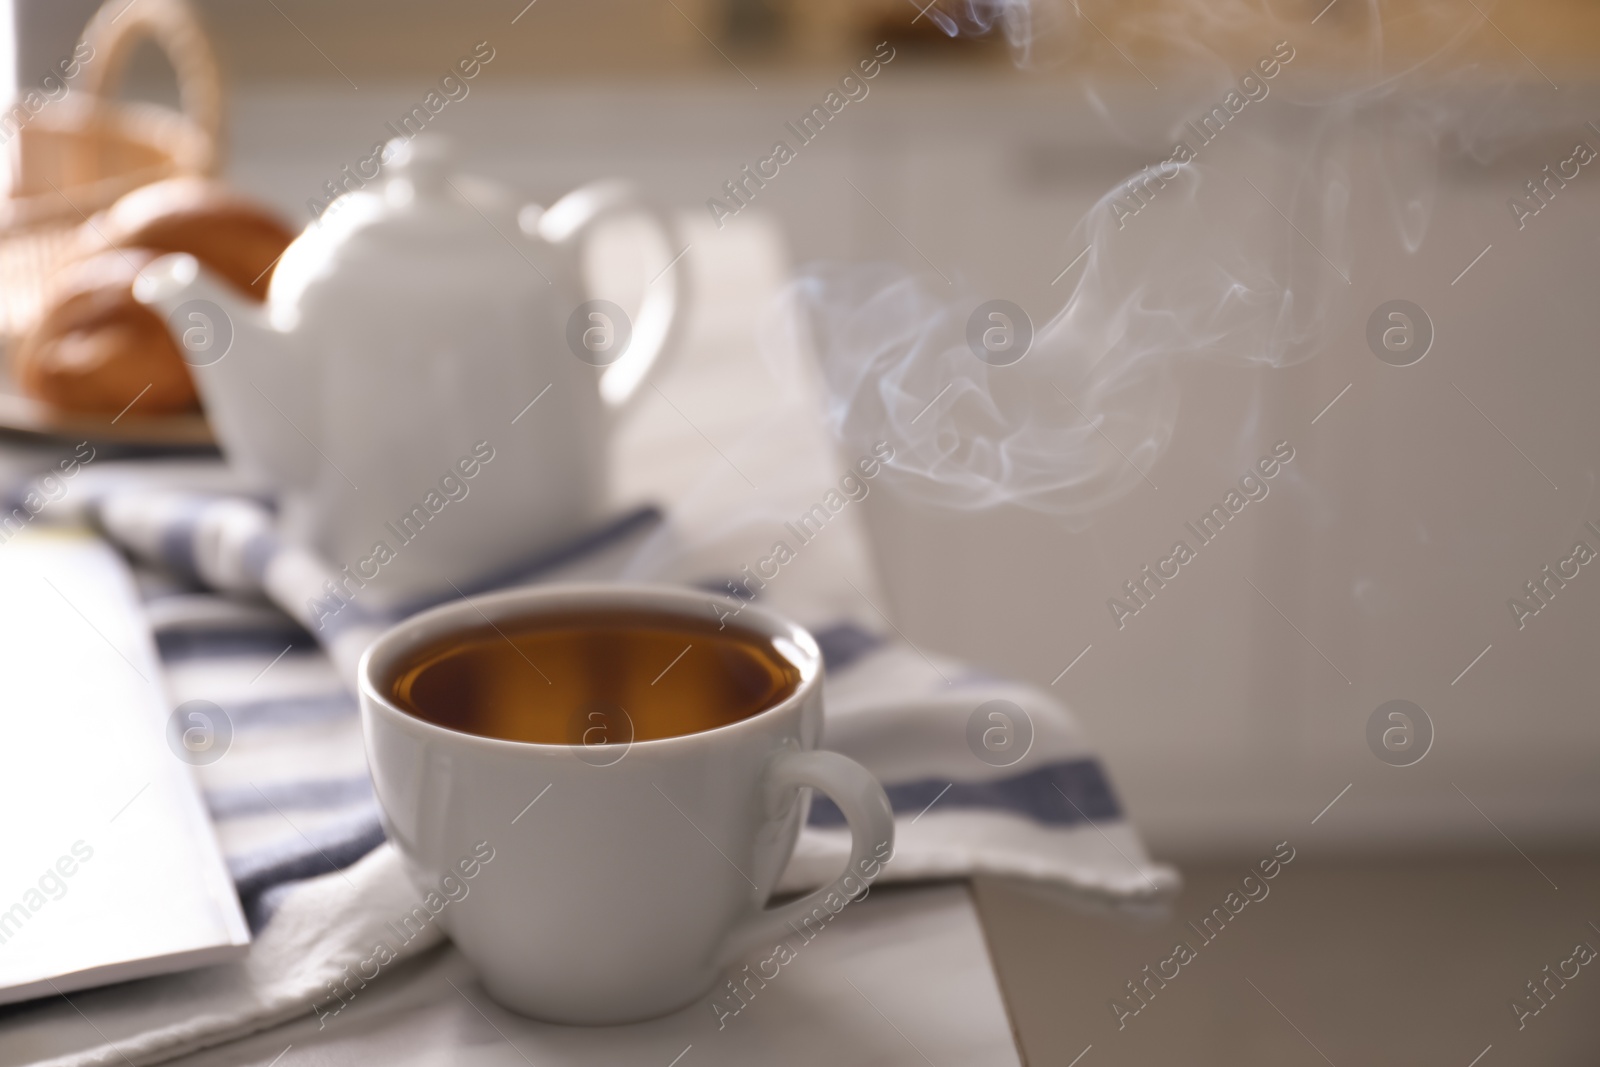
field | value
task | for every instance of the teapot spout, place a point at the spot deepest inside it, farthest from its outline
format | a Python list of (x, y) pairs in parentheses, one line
[(250, 377)]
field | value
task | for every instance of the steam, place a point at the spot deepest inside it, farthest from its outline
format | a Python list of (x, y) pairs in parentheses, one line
[(1026, 25), (1205, 269), (1233, 249)]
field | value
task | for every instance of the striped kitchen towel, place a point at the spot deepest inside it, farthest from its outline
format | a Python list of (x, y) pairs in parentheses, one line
[(984, 775)]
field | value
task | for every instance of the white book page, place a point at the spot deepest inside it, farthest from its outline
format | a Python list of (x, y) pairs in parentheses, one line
[(109, 868)]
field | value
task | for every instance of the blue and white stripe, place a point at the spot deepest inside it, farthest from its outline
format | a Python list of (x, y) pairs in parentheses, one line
[(1053, 815)]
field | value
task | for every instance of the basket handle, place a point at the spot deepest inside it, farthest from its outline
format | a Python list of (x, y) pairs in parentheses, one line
[(120, 26)]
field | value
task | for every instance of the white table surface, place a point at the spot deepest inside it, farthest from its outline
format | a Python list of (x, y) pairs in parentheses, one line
[(900, 977)]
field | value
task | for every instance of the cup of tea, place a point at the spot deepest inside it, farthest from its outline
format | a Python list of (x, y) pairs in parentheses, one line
[(634, 766)]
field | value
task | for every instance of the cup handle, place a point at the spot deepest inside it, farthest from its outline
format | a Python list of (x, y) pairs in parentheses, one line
[(660, 321), (866, 808)]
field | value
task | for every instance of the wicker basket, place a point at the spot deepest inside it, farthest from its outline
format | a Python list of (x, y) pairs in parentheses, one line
[(78, 154)]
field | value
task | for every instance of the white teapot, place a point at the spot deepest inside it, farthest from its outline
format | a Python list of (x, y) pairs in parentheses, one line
[(428, 392)]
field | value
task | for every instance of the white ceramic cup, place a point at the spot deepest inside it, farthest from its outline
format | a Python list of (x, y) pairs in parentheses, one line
[(624, 890)]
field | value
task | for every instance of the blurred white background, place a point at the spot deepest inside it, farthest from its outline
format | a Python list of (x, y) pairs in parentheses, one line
[(1383, 560)]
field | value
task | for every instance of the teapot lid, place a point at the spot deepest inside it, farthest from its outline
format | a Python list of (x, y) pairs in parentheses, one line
[(418, 220), (423, 162)]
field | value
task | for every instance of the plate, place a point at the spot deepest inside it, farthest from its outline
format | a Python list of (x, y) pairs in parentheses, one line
[(23, 415)]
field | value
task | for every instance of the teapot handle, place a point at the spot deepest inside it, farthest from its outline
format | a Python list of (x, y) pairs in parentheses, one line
[(660, 321)]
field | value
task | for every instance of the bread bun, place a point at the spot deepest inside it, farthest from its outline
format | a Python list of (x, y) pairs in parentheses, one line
[(95, 349), (229, 234)]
